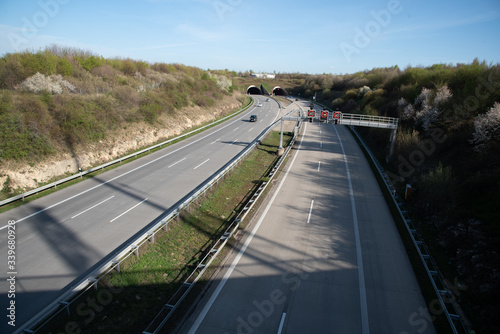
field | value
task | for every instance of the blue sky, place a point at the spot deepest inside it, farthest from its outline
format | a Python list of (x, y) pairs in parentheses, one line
[(312, 36)]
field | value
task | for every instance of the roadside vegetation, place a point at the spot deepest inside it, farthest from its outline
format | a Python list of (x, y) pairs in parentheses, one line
[(126, 302), (448, 150), (64, 100)]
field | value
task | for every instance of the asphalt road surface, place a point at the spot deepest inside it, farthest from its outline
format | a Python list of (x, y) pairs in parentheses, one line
[(62, 236), (322, 255)]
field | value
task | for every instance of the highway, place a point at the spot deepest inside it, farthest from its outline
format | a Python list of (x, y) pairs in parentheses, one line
[(322, 254), (62, 236)]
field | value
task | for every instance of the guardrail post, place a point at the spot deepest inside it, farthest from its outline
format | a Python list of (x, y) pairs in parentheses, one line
[(117, 264), (93, 281), (66, 306), (135, 249)]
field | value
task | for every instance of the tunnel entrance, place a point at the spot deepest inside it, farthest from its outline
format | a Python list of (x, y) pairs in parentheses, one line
[(254, 90), (279, 91)]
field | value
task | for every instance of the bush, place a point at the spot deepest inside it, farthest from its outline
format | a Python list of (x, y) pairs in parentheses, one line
[(12, 71), (487, 130), (89, 63), (127, 95), (53, 84), (150, 112), (436, 189)]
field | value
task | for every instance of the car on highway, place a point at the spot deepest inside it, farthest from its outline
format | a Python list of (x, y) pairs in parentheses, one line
[(259, 105), (253, 118)]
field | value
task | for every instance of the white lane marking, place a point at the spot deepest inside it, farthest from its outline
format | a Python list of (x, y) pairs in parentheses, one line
[(282, 322), (107, 199), (132, 208), (214, 141), (175, 163), (310, 212), (201, 163), (230, 270), (234, 141), (365, 328), (126, 173), (236, 129), (250, 129), (319, 165), (321, 144)]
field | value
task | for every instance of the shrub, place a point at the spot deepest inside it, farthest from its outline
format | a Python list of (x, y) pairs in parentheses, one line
[(105, 71), (129, 67), (203, 101), (150, 112), (351, 94), (90, 62), (18, 142), (127, 95), (39, 82), (487, 129), (436, 188), (427, 107)]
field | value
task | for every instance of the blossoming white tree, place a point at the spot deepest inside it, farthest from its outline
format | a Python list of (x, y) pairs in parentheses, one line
[(486, 128), (53, 84), (425, 110)]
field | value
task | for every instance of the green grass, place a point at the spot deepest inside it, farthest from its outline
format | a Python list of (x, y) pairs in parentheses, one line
[(7, 192), (147, 282)]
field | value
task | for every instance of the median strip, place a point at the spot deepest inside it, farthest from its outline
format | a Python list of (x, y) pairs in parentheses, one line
[(144, 282)]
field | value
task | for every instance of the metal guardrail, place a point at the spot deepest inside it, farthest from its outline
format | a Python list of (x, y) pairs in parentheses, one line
[(440, 288), (133, 155), (165, 313), (112, 261)]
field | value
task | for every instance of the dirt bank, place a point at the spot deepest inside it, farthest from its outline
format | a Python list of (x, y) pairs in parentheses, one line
[(24, 176)]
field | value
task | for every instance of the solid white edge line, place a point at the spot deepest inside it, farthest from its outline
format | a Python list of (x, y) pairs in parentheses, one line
[(92, 207), (119, 176), (319, 165), (282, 322), (201, 163), (144, 200), (365, 328), (230, 270)]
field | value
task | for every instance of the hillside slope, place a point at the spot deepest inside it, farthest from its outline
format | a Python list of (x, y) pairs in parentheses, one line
[(62, 109)]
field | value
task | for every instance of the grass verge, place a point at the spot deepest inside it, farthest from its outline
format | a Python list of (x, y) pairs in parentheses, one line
[(127, 301)]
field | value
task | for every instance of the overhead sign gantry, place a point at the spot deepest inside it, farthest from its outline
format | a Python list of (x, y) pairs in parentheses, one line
[(338, 117)]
